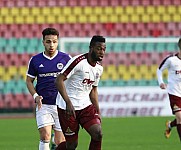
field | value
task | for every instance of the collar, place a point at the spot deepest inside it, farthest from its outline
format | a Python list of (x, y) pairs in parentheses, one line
[(50, 58)]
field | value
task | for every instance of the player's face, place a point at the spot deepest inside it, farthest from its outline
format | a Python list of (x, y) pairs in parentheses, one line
[(98, 51), (51, 43)]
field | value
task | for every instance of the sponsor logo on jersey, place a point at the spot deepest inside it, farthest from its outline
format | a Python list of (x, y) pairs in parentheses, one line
[(87, 81), (97, 75), (54, 74)]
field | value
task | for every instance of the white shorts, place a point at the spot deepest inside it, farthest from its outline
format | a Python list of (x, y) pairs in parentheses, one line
[(48, 115)]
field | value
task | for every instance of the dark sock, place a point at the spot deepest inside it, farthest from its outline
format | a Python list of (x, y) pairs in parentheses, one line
[(95, 145), (61, 146), (179, 130), (173, 123), (53, 146)]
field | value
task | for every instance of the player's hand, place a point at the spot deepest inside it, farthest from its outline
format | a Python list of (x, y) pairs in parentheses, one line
[(163, 86), (38, 101), (70, 110)]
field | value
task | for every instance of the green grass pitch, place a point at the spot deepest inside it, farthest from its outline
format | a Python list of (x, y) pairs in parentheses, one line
[(130, 133)]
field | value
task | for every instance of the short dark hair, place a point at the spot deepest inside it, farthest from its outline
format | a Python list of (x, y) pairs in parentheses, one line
[(97, 38), (50, 31)]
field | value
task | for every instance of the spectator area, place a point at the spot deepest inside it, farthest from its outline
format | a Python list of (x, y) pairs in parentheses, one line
[(133, 64)]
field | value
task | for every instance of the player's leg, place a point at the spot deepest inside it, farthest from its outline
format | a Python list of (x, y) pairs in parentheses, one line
[(95, 132), (58, 135), (45, 136), (68, 145), (169, 125), (57, 138), (175, 104), (178, 117), (91, 122), (70, 128), (173, 123), (44, 121)]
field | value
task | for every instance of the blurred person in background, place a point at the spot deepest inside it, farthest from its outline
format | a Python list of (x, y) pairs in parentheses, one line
[(45, 66), (173, 64), (78, 96)]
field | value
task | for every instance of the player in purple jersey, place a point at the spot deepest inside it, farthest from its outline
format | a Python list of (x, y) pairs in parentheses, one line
[(173, 64), (45, 67), (78, 96)]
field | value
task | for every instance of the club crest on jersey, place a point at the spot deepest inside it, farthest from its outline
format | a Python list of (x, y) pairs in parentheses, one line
[(97, 75), (60, 66), (176, 108), (69, 132)]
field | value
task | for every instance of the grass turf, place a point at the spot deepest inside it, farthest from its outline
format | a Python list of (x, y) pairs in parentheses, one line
[(131, 133)]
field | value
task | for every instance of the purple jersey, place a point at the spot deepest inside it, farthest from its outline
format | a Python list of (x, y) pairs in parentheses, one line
[(46, 70)]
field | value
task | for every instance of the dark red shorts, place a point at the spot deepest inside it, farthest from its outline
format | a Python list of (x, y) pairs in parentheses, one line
[(85, 117), (175, 103)]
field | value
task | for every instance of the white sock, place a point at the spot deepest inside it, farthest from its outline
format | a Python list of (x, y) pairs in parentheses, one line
[(44, 145)]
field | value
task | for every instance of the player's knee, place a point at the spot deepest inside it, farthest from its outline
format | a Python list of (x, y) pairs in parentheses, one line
[(71, 145), (46, 138), (97, 136)]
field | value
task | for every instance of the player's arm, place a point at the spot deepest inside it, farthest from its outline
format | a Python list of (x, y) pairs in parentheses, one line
[(31, 88), (160, 79), (59, 82), (164, 65), (94, 98)]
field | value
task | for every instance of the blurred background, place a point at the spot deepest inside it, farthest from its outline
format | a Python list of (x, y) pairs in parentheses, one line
[(140, 33)]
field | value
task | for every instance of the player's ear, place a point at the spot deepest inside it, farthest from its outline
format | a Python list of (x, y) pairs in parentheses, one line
[(90, 48), (43, 42)]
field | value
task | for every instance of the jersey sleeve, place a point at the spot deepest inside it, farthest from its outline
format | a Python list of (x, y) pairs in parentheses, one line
[(69, 68), (164, 65), (159, 76), (31, 72)]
